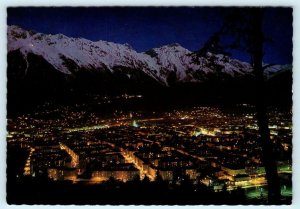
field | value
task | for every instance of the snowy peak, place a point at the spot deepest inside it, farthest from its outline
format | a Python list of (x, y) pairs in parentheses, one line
[(102, 56), (84, 53), (174, 49), (172, 58)]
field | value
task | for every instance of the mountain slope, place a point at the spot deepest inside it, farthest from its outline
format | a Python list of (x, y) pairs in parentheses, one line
[(69, 55), (44, 64), (59, 50)]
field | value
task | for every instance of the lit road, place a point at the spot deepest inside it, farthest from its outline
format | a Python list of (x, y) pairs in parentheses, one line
[(27, 165), (128, 159), (109, 124)]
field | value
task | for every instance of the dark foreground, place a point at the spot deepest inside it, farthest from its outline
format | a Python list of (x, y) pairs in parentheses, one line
[(42, 191)]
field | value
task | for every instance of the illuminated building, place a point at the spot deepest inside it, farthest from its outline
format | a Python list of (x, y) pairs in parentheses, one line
[(61, 174), (122, 172)]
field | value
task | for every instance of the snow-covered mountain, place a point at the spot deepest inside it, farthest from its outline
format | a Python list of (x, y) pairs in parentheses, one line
[(61, 69), (56, 49), (190, 68), (69, 55)]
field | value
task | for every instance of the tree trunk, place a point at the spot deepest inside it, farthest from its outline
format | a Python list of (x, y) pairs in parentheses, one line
[(269, 161)]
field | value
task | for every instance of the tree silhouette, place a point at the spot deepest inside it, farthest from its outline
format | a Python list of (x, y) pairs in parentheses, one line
[(243, 26), (262, 118)]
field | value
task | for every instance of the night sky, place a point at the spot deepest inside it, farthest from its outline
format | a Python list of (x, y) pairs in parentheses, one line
[(146, 28)]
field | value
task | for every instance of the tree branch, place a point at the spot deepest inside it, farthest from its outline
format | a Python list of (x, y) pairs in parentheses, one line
[(267, 66)]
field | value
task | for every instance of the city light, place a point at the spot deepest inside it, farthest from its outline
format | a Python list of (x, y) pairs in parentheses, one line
[(127, 145)]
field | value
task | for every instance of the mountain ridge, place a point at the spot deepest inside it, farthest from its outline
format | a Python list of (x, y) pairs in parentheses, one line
[(40, 65), (157, 63)]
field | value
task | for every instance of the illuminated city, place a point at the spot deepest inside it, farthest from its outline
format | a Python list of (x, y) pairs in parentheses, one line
[(149, 106), (209, 145)]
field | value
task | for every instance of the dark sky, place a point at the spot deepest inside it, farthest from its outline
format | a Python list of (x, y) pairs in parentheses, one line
[(145, 28)]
